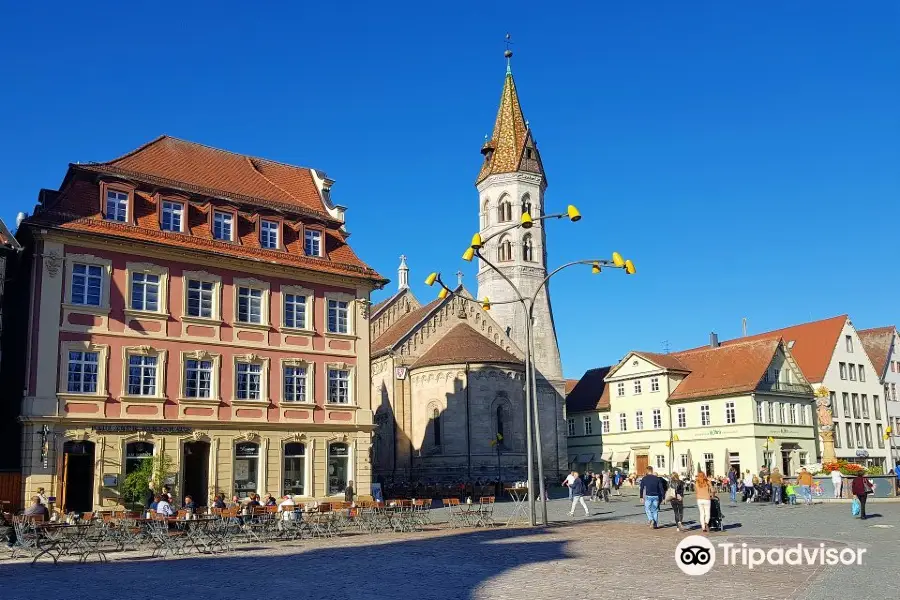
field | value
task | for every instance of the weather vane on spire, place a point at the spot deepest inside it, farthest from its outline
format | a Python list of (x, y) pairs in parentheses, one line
[(508, 53)]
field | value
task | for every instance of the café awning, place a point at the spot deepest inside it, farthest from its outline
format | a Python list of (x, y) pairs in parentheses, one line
[(607, 456), (585, 458), (620, 457)]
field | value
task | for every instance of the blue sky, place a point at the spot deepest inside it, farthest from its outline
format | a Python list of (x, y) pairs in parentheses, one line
[(746, 157)]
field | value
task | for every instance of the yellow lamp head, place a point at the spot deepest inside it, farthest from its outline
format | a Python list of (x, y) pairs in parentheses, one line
[(888, 430), (486, 303), (668, 444), (527, 223), (469, 254), (595, 268), (429, 281), (618, 260), (443, 293), (573, 213), (476, 242), (770, 439), (629, 268)]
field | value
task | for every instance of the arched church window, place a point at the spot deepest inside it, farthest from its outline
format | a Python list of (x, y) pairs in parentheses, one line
[(501, 424), (436, 426), (504, 250), (485, 215), (504, 211), (526, 204), (527, 248)]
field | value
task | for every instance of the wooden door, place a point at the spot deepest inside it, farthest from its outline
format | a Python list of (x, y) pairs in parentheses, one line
[(641, 462), (61, 485)]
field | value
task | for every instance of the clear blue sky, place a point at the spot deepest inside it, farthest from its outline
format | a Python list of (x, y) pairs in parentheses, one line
[(746, 157)]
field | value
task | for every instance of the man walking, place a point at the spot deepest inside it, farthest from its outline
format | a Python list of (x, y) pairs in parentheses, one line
[(777, 482), (578, 490), (569, 481), (733, 483), (805, 481), (606, 485), (837, 483), (653, 489)]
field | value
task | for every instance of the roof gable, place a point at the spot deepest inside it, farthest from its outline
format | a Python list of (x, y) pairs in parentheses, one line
[(462, 344), (591, 393), (877, 343), (638, 363)]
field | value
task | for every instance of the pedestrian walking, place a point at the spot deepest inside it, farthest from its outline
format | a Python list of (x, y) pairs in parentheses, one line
[(705, 493), (805, 481), (677, 500), (748, 486), (777, 482), (606, 485), (617, 482), (569, 481), (861, 488), (653, 489), (733, 477), (837, 482), (578, 490)]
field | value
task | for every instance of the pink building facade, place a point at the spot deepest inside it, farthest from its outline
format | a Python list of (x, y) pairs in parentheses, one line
[(187, 307)]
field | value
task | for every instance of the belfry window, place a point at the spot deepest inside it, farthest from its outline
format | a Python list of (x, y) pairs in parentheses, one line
[(504, 250), (527, 249), (504, 211)]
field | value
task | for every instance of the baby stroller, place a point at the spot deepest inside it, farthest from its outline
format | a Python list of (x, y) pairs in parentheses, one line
[(716, 518)]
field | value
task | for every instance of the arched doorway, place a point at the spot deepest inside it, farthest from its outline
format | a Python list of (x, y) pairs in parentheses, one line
[(78, 477), (195, 465)]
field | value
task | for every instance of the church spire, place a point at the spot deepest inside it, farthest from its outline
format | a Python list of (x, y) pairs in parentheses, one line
[(511, 147), (402, 274)]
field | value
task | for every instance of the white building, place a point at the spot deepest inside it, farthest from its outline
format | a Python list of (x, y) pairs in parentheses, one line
[(883, 347)]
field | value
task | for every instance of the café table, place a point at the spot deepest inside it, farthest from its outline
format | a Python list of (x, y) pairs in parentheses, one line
[(519, 514)]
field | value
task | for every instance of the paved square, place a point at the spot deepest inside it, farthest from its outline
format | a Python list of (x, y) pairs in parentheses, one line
[(610, 554)]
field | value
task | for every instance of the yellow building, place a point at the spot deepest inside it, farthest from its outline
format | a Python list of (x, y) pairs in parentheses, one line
[(746, 405)]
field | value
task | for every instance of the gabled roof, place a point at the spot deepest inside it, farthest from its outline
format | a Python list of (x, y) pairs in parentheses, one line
[(218, 173), (877, 343), (462, 344), (570, 385), (380, 306), (402, 326), (504, 151), (590, 393), (813, 346), (731, 369)]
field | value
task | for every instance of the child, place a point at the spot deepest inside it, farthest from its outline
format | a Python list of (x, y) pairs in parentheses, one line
[(791, 493)]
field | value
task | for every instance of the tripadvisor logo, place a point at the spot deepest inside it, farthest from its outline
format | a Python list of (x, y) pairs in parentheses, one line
[(696, 555)]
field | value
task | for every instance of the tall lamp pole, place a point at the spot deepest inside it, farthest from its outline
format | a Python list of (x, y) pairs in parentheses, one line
[(532, 414)]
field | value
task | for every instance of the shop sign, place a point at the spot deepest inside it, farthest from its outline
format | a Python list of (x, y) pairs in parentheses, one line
[(716, 432), (862, 453), (158, 429)]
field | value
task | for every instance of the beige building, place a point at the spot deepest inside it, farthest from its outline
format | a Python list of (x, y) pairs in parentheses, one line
[(745, 404)]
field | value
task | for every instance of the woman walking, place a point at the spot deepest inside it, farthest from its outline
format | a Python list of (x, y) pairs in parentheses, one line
[(677, 500), (861, 487), (705, 494)]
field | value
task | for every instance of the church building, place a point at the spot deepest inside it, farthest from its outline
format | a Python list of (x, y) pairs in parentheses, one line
[(448, 377)]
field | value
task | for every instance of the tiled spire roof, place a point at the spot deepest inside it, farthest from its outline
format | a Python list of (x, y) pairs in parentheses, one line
[(503, 152)]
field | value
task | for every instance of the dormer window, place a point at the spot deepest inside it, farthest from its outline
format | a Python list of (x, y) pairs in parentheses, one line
[(116, 206), (172, 217), (223, 226), (312, 242), (268, 234)]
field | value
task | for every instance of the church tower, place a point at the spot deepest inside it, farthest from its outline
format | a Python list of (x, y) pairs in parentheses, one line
[(512, 181)]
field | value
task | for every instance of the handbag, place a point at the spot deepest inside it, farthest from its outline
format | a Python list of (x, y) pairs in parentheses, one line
[(670, 494)]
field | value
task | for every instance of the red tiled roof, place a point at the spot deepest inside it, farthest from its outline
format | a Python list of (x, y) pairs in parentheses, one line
[(570, 385), (220, 172), (402, 326), (728, 369), (666, 361), (280, 191), (463, 344), (814, 344), (877, 343), (590, 392)]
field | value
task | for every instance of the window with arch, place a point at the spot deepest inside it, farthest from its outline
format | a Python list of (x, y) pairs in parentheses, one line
[(526, 204), (504, 210), (294, 469), (436, 425), (503, 429), (246, 468), (338, 468), (504, 250), (527, 248), (485, 215), (135, 455)]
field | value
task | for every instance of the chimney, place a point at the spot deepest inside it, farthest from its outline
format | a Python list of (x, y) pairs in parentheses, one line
[(713, 340)]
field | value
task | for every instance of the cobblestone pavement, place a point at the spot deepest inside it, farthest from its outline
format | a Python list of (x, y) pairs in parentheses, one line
[(612, 552)]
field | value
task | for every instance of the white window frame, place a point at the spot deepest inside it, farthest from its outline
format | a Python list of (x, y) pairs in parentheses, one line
[(654, 384), (231, 222), (604, 424), (162, 273), (106, 275), (160, 383), (588, 425), (681, 413), (173, 209), (637, 387), (657, 418), (684, 461), (296, 290), (623, 422), (842, 370), (214, 379), (251, 360), (203, 277), (782, 413), (265, 233), (760, 411), (102, 351), (351, 313), (638, 420), (351, 383), (661, 462), (792, 413), (310, 237), (117, 193), (310, 395), (620, 389), (254, 284), (862, 373), (704, 415), (730, 413), (848, 340), (570, 426), (851, 368)]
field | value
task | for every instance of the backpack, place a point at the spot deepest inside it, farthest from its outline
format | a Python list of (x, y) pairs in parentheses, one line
[(855, 507)]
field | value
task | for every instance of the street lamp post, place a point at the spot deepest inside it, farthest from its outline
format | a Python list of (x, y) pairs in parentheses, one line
[(768, 461), (533, 432)]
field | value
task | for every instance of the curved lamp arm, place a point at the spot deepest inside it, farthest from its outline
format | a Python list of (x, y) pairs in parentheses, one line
[(507, 279), (519, 224), (601, 262)]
